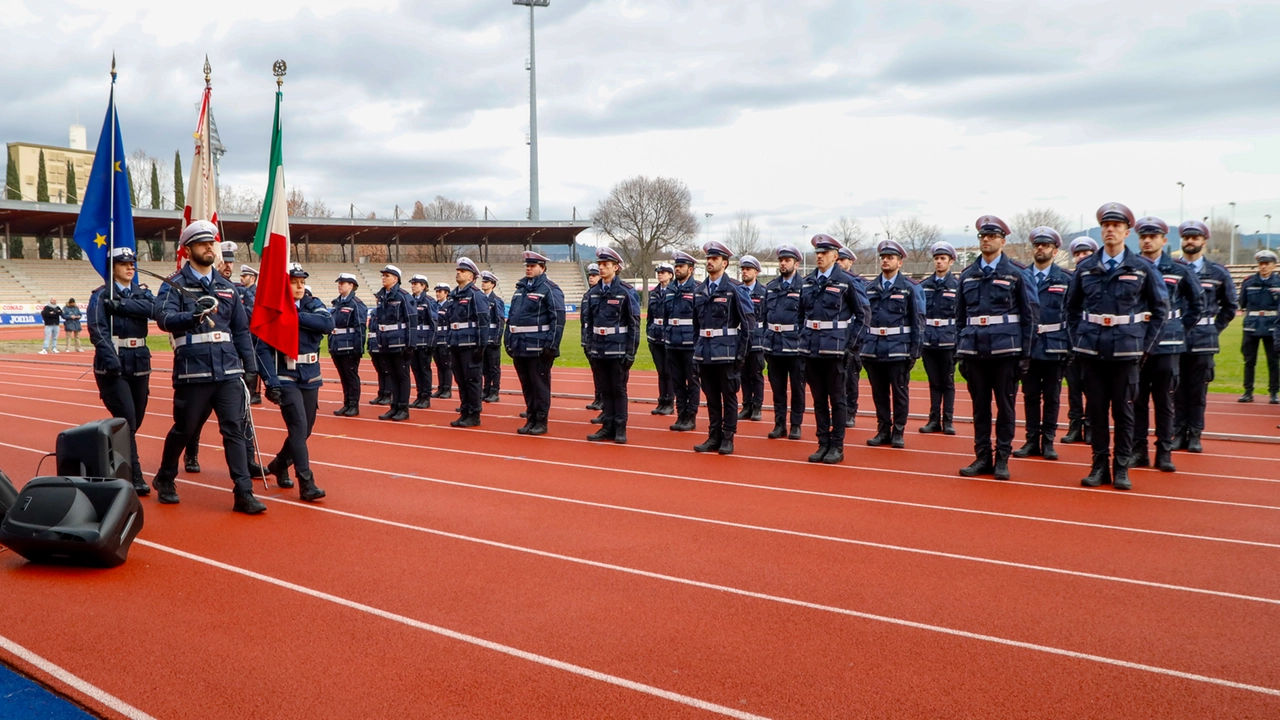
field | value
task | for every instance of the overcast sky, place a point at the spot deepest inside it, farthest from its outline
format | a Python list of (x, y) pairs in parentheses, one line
[(796, 112)]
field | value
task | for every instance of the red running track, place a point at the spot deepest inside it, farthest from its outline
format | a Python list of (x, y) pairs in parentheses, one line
[(479, 573)]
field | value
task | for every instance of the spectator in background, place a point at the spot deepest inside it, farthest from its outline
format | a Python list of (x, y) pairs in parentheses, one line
[(51, 314), (71, 323)]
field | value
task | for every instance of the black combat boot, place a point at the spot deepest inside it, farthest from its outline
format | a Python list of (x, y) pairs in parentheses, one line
[(446, 394), (191, 462), (934, 425), (1141, 457), (528, 423), (1075, 432), (166, 493), (835, 454), (980, 466), (794, 433), (1193, 442), (1046, 448), (539, 426), (948, 427), (308, 490), (140, 486), (1099, 474), (851, 420), (280, 470), (779, 429), (1121, 475), (342, 410), (1031, 448), (745, 412), (1247, 397), (882, 436), (1001, 470), (757, 413), (726, 444), (898, 439), (1088, 433), (684, 424), (1164, 459), (248, 504), (620, 433), (256, 470), (421, 402), (401, 412), (604, 433), (821, 453), (595, 404), (390, 413), (1275, 399), (353, 410), (1179, 440), (381, 399), (712, 443)]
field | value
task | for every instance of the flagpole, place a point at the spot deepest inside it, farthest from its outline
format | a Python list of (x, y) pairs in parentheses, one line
[(204, 141), (111, 212)]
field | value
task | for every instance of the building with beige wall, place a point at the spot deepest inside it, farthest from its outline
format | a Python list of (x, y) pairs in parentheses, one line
[(27, 158)]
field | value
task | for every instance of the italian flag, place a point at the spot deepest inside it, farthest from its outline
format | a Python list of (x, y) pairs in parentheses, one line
[(275, 318)]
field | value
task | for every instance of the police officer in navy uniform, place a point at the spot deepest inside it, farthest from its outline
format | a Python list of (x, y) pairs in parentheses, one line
[(346, 342), (425, 342), (753, 367), (655, 331), (584, 335), (380, 363), (1158, 378), (891, 341), (1117, 307), (121, 360), (1260, 300), (468, 318), (1196, 367), (212, 351), (1042, 382), (781, 318), (493, 351), (612, 313), (396, 317), (845, 258), (1077, 420), (938, 351), (723, 322), (535, 327), (294, 385), (248, 294), (680, 341), (996, 319), (440, 352), (834, 309)]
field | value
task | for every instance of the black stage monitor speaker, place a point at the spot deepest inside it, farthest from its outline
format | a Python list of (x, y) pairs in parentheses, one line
[(73, 520), (99, 449), (8, 493)]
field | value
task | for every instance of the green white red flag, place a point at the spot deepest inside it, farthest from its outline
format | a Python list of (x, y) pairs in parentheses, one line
[(275, 317)]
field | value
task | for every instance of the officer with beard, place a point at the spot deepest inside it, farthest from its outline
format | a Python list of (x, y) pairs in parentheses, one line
[(1042, 382), (941, 290), (1196, 366), (724, 321), (891, 341), (655, 332), (782, 319), (680, 341)]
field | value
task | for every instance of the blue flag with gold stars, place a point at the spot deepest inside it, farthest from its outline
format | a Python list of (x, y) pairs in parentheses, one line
[(106, 217)]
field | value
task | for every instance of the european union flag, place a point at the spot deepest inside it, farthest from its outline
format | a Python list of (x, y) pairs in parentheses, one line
[(106, 199)]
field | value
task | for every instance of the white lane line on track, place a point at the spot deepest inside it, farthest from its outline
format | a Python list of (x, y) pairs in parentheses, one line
[(66, 677), (767, 529), (982, 637), (814, 493), (464, 637)]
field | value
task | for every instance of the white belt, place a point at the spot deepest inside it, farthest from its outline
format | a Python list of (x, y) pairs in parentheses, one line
[(130, 342), (657, 321), (308, 359), (1110, 320), (1174, 315), (1261, 313), (984, 320), (885, 331), (609, 331), (1052, 327), (343, 331), (826, 324), (1205, 321), (389, 328), (781, 328), (517, 329), (718, 332), (200, 338), (939, 322), (493, 326), (680, 321), (461, 326)]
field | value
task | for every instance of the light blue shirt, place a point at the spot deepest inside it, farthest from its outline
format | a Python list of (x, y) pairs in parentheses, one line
[(1106, 259), (982, 262), (825, 273)]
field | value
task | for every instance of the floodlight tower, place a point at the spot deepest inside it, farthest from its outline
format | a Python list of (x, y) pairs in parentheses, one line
[(533, 110)]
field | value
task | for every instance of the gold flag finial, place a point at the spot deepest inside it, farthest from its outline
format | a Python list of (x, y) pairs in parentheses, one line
[(278, 68), (207, 70), (113, 67)]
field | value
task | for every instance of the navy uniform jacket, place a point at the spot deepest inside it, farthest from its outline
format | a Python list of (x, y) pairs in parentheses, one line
[(834, 309), (612, 314), (997, 314), (442, 323), (1260, 296), (350, 316), (655, 319), (1186, 305), (109, 355), (723, 322), (1219, 307), (248, 295), (314, 323), (220, 348), (535, 320), (395, 319), (678, 312), (895, 322), (1053, 339), (780, 317), (940, 298), (497, 317), (467, 316), (1133, 290), (425, 303), (757, 294)]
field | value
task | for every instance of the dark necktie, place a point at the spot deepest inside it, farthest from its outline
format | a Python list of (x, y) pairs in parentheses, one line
[(987, 271), (1111, 265)]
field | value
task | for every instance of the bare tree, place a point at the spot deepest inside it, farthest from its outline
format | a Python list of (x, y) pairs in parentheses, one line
[(1028, 220), (743, 236), (644, 217), (234, 200), (849, 231), (442, 208), (916, 236)]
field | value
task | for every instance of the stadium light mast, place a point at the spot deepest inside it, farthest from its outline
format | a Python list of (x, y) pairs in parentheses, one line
[(533, 109)]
